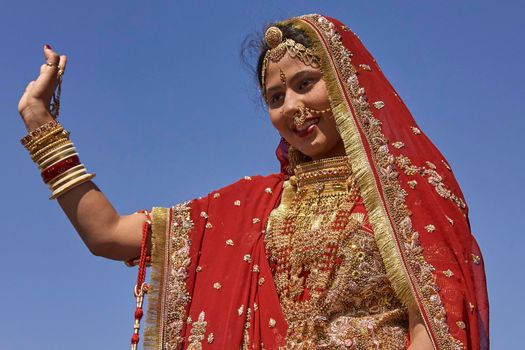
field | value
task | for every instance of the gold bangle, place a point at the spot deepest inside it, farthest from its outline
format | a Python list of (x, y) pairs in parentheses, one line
[(46, 139), (42, 136), (38, 132), (58, 156), (45, 160), (69, 186), (53, 145), (53, 152), (66, 176)]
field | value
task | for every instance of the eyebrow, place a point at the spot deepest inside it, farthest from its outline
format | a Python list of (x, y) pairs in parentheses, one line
[(296, 76)]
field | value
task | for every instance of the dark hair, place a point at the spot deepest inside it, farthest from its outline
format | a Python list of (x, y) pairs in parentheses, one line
[(256, 45)]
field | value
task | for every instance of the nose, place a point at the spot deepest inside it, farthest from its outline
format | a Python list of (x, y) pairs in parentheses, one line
[(292, 104)]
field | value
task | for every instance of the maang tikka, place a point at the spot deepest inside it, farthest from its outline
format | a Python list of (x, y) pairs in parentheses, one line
[(279, 47)]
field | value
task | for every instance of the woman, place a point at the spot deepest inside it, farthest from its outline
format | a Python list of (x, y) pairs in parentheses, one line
[(361, 241)]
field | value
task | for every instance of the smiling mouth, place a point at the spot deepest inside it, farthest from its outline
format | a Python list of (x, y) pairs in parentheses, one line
[(306, 128)]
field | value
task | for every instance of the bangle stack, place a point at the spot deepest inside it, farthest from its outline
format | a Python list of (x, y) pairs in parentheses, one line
[(56, 157)]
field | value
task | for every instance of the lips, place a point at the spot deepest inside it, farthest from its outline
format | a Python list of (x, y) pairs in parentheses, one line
[(306, 128)]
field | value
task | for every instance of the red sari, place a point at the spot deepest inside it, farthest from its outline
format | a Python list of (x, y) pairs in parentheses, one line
[(212, 286)]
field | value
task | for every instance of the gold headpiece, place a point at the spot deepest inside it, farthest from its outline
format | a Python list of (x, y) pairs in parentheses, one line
[(274, 39)]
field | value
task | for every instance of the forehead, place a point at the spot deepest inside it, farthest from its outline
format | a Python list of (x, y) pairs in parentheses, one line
[(288, 65)]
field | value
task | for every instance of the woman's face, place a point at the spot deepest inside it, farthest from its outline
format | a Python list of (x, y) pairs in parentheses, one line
[(291, 86)]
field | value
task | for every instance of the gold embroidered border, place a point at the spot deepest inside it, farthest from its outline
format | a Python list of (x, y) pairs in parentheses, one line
[(168, 297), (403, 259), (433, 178)]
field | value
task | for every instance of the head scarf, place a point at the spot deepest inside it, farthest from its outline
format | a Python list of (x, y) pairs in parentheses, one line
[(415, 205), (211, 283)]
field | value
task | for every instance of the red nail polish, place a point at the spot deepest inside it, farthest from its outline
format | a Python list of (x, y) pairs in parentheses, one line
[(47, 46)]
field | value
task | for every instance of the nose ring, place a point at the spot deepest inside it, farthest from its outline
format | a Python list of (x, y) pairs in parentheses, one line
[(299, 117)]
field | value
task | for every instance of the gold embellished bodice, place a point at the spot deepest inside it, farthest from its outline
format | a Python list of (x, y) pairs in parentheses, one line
[(328, 272)]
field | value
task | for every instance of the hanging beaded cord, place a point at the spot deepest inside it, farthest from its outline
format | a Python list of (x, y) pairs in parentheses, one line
[(141, 287)]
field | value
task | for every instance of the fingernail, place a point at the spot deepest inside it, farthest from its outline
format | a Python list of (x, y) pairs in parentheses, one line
[(47, 46)]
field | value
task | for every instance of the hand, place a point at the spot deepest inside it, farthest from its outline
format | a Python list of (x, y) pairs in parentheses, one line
[(34, 103)]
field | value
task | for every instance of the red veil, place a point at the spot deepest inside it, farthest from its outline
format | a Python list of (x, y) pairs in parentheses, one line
[(211, 283)]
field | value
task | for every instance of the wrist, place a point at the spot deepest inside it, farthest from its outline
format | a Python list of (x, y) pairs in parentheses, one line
[(36, 122)]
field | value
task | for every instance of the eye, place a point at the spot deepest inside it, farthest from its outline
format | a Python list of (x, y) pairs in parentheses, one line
[(275, 98), (305, 84)]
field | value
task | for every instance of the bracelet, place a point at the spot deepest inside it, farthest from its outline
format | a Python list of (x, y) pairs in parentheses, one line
[(66, 152), (43, 140), (56, 156), (38, 132), (59, 168), (50, 147)]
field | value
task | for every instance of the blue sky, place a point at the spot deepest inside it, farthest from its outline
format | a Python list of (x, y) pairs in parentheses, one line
[(162, 109)]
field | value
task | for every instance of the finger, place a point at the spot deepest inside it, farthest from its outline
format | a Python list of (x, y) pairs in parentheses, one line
[(50, 55), (62, 63), (29, 86), (47, 79)]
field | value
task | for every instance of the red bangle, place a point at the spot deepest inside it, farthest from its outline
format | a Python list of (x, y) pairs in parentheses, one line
[(61, 167)]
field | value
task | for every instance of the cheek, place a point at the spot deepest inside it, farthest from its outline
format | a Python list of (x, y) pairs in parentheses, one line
[(276, 119)]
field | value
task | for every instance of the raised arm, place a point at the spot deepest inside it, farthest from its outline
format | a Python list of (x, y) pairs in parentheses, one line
[(103, 230)]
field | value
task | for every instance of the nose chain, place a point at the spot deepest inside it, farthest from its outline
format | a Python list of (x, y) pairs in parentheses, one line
[(300, 117)]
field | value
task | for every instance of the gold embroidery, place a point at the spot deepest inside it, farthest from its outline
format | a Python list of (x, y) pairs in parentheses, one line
[(197, 333), (431, 165), (476, 259), (365, 67), (448, 273), (247, 258), (415, 130), (217, 285), (216, 195), (379, 104), (209, 226), (237, 203), (432, 176), (268, 190), (471, 306), (430, 228), (240, 310), (168, 280), (211, 338), (461, 324), (256, 220), (272, 323), (229, 242), (398, 144), (204, 214), (412, 183), (248, 178)]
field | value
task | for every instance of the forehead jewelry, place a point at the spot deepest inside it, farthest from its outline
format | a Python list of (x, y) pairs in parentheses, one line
[(278, 47), (282, 76)]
